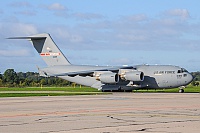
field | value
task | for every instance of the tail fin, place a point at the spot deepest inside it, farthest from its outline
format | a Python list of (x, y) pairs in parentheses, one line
[(47, 49)]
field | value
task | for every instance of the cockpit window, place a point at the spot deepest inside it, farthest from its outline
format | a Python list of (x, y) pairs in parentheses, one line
[(182, 70), (179, 71)]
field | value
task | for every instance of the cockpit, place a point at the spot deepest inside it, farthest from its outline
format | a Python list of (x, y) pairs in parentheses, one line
[(182, 70)]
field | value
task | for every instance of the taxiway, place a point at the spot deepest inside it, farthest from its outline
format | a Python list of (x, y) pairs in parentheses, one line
[(115, 113)]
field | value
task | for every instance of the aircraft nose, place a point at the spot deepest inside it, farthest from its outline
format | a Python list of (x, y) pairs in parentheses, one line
[(190, 78)]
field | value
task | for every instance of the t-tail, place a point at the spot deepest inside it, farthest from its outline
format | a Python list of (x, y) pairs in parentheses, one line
[(47, 49)]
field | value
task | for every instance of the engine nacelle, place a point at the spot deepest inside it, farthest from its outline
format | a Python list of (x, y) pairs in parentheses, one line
[(110, 78), (134, 76)]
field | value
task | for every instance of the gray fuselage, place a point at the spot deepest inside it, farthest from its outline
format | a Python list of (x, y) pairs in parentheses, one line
[(155, 76)]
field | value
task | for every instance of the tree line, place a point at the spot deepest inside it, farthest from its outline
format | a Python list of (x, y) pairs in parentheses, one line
[(196, 80), (10, 78)]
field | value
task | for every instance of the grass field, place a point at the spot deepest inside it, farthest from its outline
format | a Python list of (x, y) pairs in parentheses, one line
[(67, 91), (48, 91)]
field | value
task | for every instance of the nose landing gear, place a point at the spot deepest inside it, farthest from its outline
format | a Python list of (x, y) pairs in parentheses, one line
[(181, 89)]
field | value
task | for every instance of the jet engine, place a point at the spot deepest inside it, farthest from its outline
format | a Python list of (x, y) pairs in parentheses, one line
[(110, 78), (133, 76)]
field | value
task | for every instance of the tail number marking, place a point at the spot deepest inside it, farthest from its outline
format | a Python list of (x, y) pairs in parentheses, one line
[(49, 54)]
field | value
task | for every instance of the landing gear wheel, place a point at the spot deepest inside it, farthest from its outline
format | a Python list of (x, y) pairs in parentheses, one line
[(181, 91)]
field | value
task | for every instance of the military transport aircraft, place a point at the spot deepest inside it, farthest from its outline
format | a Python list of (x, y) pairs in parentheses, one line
[(106, 78)]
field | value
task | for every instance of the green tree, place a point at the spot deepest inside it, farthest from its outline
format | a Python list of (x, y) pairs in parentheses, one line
[(1, 76), (195, 83), (27, 82), (1, 83), (10, 77), (196, 76), (43, 81)]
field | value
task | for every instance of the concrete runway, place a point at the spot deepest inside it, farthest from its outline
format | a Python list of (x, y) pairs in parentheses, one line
[(116, 113)]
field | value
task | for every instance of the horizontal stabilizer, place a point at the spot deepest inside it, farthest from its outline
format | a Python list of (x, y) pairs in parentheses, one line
[(47, 49), (34, 38)]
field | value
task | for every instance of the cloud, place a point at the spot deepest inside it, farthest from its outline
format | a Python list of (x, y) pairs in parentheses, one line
[(62, 14), (23, 8), (14, 53), (18, 52), (56, 7), (87, 16), (133, 32), (9, 28), (137, 32), (20, 4), (21, 63), (61, 11), (182, 13), (136, 17), (12, 30), (27, 13), (78, 16)]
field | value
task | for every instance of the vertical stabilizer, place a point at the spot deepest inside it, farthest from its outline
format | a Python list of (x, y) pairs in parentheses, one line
[(47, 49)]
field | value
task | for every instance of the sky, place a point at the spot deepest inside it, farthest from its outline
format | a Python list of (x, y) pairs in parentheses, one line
[(102, 32)]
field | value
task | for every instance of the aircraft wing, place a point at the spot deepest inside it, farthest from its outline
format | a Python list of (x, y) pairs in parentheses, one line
[(72, 74), (90, 72)]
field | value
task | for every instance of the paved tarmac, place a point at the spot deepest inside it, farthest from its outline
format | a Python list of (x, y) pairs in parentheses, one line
[(115, 113)]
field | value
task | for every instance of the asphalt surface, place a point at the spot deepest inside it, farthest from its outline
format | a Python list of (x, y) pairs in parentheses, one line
[(115, 113)]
